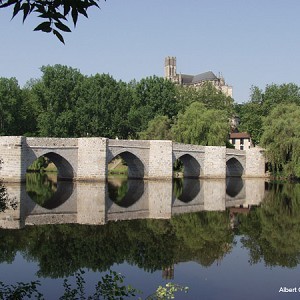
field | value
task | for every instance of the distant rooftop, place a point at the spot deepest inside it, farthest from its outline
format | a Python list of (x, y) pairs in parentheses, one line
[(191, 79), (239, 135)]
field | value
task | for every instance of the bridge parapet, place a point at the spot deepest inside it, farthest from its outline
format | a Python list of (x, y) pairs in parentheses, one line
[(46, 142), (142, 144), (235, 152), (188, 147)]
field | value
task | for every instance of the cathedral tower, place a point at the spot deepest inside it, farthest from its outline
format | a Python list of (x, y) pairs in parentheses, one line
[(170, 67)]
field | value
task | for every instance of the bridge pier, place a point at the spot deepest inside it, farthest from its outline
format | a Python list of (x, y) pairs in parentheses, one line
[(160, 160), (255, 163), (12, 150), (92, 154), (214, 162)]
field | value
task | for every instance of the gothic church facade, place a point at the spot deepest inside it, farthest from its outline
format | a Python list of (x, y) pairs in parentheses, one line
[(194, 80)]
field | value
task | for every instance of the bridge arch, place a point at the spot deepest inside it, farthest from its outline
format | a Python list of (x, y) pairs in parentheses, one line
[(234, 168), (65, 170), (136, 168), (191, 167)]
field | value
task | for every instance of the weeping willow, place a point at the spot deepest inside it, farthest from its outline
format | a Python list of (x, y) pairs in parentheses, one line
[(281, 139)]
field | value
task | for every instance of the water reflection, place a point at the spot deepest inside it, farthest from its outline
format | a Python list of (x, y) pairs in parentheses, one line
[(234, 186), (41, 187), (186, 189), (46, 191), (270, 231), (266, 225), (123, 199), (125, 192)]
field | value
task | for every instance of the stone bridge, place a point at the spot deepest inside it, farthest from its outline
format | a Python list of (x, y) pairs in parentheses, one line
[(87, 158)]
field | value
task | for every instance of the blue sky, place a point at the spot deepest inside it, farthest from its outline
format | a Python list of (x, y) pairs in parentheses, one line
[(253, 42)]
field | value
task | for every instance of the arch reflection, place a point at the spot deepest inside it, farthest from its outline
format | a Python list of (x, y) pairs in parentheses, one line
[(234, 186), (186, 189), (46, 191), (125, 192)]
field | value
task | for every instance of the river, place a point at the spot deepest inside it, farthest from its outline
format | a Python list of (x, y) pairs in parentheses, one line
[(223, 239)]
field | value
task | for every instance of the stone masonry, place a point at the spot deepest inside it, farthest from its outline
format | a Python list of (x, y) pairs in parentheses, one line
[(87, 158)]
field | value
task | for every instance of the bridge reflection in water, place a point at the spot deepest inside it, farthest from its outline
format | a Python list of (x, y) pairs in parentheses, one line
[(99, 202)]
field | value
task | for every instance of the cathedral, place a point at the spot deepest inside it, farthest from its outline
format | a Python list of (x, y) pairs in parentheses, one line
[(194, 80)]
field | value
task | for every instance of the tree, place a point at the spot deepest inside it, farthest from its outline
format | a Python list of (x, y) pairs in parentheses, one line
[(281, 138), (153, 96), (251, 114), (101, 107), (158, 129), (201, 126), (53, 100), (207, 94), (277, 94), (261, 104), (10, 107), (54, 12)]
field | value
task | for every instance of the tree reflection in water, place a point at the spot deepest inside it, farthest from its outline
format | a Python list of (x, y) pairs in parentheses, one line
[(272, 231), (150, 244)]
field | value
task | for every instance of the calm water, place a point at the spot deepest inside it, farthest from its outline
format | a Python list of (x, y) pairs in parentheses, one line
[(224, 239)]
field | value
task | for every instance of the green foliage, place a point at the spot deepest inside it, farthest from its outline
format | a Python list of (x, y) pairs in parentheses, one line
[(101, 107), (261, 105), (10, 107), (39, 164), (251, 115), (20, 291), (158, 129), (167, 292), (110, 287), (55, 13), (208, 94), (201, 126), (153, 96), (281, 138), (53, 100), (65, 103), (279, 94)]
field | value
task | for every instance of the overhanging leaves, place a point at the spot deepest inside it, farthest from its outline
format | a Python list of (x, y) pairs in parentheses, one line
[(54, 11)]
